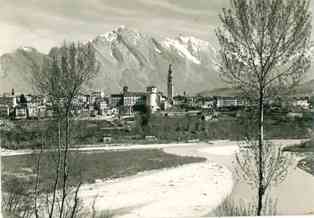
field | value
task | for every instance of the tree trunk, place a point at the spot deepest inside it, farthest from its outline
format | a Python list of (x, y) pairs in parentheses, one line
[(65, 163), (261, 190), (36, 193), (55, 186)]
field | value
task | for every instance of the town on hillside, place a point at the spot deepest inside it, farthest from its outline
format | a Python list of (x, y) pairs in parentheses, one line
[(98, 105), (191, 109)]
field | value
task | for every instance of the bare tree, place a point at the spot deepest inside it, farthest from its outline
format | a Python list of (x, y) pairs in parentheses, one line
[(274, 168), (16, 200), (61, 78), (264, 51)]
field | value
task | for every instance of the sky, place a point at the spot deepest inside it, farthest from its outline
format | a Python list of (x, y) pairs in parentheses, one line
[(46, 23)]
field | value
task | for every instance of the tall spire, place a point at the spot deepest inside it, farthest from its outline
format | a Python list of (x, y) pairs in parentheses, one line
[(170, 83), (170, 69)]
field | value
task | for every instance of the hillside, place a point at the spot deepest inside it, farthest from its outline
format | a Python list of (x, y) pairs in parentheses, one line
[(304, 89), (15, 69), (128, 58), (220, 92)]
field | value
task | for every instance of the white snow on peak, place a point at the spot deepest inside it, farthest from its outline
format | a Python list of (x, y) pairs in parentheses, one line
[(182, 48), (194, 41), (197, 44), (131, 35), (110, 36), (28, 49)]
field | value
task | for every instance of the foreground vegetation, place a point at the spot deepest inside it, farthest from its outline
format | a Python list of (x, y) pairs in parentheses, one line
[(95, 165), (19, 172), (27, 134), (230, 207)]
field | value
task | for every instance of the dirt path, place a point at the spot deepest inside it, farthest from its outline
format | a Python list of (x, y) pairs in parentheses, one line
[(7, 152)]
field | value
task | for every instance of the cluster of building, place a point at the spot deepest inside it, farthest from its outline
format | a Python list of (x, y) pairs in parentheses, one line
[(23, 106), (97, 103), (124, 103), (152, 100), (236, 102)]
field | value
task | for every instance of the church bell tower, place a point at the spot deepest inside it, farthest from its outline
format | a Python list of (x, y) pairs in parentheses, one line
[(170, 84)]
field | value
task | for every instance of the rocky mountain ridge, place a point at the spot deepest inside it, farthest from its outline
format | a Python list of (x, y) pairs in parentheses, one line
[(128, 58)]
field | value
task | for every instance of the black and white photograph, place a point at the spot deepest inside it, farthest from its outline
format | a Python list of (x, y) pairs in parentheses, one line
[(156, 108)]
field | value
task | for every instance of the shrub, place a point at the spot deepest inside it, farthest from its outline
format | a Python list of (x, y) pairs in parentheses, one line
[(231, 207), (17, 200), (104, 214)]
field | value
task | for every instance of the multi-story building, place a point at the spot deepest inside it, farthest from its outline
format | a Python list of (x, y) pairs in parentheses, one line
[(9, 100), (116, 100), (32, 110), (96, 95), (29, 98), (205, 102), (4, 111), (153, 99), (229, 102), (84, 99), (20, 112), (302, 102), (129, 102), (41, 111), (102, 105), (133, 101)]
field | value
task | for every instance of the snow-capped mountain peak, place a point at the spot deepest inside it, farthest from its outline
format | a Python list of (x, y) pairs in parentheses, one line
[(131, 58), (27, 48), (121, 33), (182, 47), (109, 36), (194, 41)]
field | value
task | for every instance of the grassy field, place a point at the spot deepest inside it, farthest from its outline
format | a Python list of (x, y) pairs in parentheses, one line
[(29, 134), (88, 167), (225, 128), (306, 147)]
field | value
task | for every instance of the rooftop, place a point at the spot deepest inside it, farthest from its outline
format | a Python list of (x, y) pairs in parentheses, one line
[(129, 94)]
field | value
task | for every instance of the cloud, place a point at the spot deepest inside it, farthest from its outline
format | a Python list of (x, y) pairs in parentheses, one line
[(43, 23)]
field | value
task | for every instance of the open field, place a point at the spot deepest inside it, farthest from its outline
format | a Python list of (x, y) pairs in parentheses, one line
[(28, 134), (89, 167)]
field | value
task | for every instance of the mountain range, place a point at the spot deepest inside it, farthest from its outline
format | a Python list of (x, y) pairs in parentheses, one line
[(128, 58), (134, 59)]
